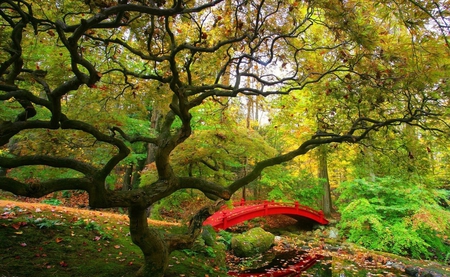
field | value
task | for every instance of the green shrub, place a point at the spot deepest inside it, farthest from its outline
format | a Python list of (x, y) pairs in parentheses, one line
[(93, 226), (225, 237), (394, 215), (52, 201)]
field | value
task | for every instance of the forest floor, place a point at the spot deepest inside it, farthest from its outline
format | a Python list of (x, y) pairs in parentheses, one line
[(47, 240)]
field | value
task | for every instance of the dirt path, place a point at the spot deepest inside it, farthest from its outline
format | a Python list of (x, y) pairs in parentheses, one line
[(83, 212)]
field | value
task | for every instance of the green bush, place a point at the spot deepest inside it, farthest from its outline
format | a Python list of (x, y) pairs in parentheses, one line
[(394, 215), (52, 201)]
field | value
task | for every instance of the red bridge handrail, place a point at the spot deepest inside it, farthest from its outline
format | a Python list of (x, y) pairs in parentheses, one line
[(245, 210), (296, 204)]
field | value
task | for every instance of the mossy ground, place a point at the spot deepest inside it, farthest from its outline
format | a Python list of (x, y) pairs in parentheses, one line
[(42, 240)]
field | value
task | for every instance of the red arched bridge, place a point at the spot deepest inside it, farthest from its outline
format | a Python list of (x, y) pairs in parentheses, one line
[(245, 210)]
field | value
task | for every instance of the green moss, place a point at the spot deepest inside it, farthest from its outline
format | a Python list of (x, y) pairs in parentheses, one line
[(253, 242)]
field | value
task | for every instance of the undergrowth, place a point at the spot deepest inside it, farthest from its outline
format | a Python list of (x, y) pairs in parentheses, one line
[(396, 216)]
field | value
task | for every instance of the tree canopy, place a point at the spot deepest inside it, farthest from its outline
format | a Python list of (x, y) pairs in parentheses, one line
[(87, 87)]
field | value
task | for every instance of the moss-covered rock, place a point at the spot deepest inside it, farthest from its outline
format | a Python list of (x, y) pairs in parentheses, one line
[(253, 242)]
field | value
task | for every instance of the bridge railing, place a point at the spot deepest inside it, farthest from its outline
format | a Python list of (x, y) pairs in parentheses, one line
[(272, 203), (243, 210)]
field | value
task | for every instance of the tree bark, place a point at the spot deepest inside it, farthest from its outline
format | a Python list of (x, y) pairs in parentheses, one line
[(323, 175), (127, 177), (151, 243)]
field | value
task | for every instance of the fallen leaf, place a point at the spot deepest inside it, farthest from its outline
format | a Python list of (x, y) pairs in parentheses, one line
[(117, 246), (23, 244), (63, 264), (58, 240), (17, 225)]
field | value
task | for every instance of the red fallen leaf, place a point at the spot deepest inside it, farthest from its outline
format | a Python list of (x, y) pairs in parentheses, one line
[(16, 225), (63, 264), (58, 240), (130, 263)]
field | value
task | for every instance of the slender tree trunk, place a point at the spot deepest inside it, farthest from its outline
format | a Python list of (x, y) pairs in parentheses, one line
[(323, 175), (127, 177), (151, 243)]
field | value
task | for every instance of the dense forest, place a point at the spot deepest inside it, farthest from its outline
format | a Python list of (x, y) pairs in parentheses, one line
[(341, 105)]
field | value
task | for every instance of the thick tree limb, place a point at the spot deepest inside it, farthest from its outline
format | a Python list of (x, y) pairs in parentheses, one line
[(58, 162), (134, 138), (9, 129), (38, 189)]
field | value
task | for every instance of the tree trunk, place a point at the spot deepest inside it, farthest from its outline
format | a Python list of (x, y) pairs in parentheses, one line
[(127, 177), (151, 243), (323, 175), (136, 179)]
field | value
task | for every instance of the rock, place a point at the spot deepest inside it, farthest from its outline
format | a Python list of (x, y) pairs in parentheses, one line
[(332, 248), (333, 233), (419, 272), (277, 239), (251, 243)]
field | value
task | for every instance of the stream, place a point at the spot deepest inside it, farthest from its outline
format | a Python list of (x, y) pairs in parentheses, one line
[(300, 263)]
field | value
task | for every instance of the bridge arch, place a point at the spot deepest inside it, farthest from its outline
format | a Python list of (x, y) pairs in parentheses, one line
[(246, 210)]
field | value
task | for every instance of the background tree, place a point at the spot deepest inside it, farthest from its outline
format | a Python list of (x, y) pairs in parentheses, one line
[(75, 76)]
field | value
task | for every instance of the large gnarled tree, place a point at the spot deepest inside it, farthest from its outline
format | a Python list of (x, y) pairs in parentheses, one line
[(377, 63)]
